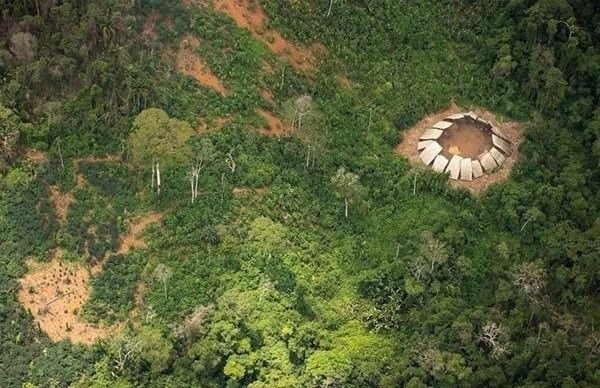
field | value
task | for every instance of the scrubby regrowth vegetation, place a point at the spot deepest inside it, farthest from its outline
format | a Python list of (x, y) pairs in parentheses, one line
[(216, 193)]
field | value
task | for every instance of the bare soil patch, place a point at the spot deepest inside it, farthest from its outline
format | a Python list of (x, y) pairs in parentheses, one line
[(247, 14), (187, 62), (212, 126), (35, 156), (266, 66), (56, 292), (80, 180), (465, 139), (267, 95), (149, 28), (344, 81), (513, 130), (275, 127), (132, 240), (61, 202)]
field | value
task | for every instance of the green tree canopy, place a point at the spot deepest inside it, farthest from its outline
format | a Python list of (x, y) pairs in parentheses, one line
[(347, 187), (156, 137), (11, 128)]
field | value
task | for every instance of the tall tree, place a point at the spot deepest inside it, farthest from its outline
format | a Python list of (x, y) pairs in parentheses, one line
[(347, 187), (307, 122), (204, 153), (159, 140)]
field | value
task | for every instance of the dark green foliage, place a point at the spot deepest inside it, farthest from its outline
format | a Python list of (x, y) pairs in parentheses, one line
[(62, 364), (28, 221), (262, 280), (92, 226), (113, 180), (114, 288)]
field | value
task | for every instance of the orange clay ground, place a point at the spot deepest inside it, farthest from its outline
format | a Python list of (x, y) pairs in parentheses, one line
[(468, 141), (187, 62), (56, 292), (251, 16), (274, 127)]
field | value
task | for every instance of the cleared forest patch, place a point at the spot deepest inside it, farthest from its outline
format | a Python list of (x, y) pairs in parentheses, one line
[(35, 156), (207, 126), (61, 202), (344, 81), (187, 62), (267, 95), (513, 130), (274, 127), (252, 17), (132, 240), (56, 292)]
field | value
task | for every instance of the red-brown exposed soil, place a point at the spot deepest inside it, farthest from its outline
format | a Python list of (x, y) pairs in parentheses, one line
[(35, 156), (187, 62), (55, 292), (247, 14), (206, 126), (61, 202), (465, 139), (514, 131), (267, 95), (344, 81), (275, 127), (266, 66), (132, 240)]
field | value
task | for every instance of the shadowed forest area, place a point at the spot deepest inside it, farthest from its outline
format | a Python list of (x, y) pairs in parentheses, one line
[(209, 194)]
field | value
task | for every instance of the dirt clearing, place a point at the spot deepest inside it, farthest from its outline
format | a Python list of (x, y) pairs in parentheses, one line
[(132, 240), (267, 95), (35, 156), (187, 62), (464, 139), (344, 81), (56, 292), (247, 14), (275, 127), (465, 143), (61, 202), (212, 125)]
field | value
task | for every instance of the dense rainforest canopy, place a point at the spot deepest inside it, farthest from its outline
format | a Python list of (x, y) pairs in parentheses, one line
[(289, 245)]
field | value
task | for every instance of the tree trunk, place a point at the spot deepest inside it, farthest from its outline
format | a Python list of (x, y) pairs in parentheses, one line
[(192, 184), (415, 185), (153, 175), (525, 224), (346, 207), (222, 188), (62, 162), (329, 10), (158, 177)]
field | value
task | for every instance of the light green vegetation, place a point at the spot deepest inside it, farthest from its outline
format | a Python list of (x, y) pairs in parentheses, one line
[(263, 280)]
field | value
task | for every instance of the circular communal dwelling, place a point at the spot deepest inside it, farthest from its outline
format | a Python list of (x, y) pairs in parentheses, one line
[(465, 146)]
